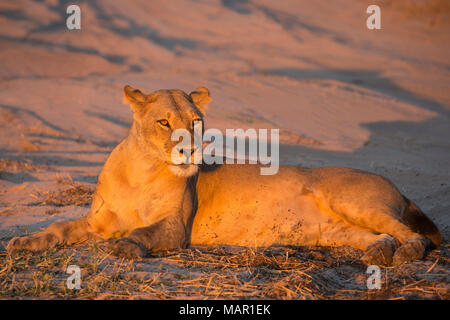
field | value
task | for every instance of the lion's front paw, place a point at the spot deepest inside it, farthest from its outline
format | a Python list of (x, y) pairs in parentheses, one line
[(34, 243), (411, 250), (126, 248)]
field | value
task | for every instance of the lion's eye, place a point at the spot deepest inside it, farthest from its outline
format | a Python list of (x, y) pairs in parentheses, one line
[(164, 122)]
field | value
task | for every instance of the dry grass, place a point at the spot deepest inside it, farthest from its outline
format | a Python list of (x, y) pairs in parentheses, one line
[(76, 194), (72, 193), (12, 165), (219, 272)]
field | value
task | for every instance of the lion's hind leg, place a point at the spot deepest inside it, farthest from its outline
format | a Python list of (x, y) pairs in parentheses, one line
[(385, 219), (378, 248), (58, 233), (382, 251)]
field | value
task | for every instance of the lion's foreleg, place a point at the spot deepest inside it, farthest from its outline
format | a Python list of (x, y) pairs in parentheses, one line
[(166, 234), (67, 232)]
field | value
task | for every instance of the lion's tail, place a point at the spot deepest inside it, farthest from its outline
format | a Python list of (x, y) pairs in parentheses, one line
[(420, 223)]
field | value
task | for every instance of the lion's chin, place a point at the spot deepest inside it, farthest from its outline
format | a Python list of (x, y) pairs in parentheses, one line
[(183, 170)]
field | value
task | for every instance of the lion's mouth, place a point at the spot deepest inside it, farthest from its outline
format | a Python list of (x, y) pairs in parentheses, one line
[(183, 170), (185, 165), (181, 165)]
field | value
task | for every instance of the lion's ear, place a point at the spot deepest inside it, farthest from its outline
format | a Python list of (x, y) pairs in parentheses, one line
[(133, 97), (201, 97)]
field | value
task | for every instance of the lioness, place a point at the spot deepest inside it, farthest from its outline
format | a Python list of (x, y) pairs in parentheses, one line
[(145, 202)]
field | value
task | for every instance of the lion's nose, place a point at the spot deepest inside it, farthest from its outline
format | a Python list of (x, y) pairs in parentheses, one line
[(186, 151)]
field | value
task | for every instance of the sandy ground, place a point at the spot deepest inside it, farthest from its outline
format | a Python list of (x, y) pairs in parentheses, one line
[(341, 94)]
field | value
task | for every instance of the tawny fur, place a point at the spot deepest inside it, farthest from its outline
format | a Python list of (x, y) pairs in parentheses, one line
[(143, 203)]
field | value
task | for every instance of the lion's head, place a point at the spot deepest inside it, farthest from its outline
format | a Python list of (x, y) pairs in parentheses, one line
[(157, 115)]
